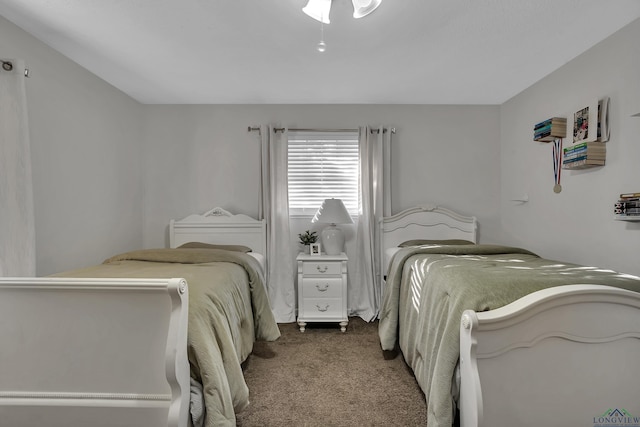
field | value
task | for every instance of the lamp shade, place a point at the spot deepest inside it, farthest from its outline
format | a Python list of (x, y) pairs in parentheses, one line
[(332, 211), (364, 7), (318, 10)]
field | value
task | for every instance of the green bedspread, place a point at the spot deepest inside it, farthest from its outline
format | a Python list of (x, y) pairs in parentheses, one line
[(228, 310), (429, 287)]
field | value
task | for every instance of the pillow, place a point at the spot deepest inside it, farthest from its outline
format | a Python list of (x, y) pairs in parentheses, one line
[(200, 245), (419, 242)]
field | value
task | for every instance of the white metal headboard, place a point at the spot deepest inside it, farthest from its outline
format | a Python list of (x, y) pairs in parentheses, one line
[(219, 226)]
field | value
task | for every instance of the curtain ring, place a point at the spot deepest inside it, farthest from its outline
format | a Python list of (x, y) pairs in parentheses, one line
[(7, 66)]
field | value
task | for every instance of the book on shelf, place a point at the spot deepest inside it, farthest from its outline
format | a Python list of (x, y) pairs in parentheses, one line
[(582, 157), (570, 160), (588, 146), (543, 134), (625, 216), (545, 137), (550, 129), (583, 164), (554, 120), (628, 208), (542, 129), (632, 211), (585, 152), (630, 196), (624, 205)]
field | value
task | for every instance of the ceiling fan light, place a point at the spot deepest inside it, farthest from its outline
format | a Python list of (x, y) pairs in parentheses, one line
[(364, 7), (318, 10)]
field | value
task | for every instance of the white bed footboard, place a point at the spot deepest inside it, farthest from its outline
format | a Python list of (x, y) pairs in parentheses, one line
[(563, 356), (93, 352)]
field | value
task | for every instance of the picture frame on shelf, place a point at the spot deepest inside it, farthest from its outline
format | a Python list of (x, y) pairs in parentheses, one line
[(585, 122), (314, 249), (590, 122)]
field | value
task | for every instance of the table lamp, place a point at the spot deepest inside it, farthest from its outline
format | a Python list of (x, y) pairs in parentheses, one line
[(332, 212)]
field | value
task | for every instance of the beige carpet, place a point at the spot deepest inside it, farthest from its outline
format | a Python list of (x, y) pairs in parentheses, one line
[(323, 377)]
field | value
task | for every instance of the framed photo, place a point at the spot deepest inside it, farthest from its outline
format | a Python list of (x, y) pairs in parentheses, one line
[(586, 123), (314, 249)]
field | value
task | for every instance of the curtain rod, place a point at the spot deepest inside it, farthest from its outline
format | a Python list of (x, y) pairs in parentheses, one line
[(8, 66), (253, 128)]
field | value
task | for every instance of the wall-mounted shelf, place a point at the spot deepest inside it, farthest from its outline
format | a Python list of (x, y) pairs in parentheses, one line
[(627, 208), (584, 155), (628, 218), (550, 129)]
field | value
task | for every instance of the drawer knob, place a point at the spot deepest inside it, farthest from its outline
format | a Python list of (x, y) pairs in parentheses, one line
[(322, 268), (326, 307), (322, 288)]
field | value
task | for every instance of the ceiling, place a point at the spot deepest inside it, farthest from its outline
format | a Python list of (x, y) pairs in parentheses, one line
[(264, 51)]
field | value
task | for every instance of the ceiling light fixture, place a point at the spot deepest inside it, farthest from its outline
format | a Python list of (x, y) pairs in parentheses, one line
[(322, 46), (320, 9), (362, 8)]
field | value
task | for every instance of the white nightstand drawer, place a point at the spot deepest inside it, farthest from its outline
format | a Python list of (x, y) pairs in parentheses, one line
[(322, 288), (323, 307), (322, 268)]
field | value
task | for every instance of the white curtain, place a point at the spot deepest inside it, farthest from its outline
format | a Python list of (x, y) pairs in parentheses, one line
[(274, 208), (375, 202), (17, 232)]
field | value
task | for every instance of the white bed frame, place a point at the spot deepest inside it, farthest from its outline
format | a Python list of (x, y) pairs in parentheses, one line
[(220, 227), (93, 352), (105, 352), (427, 221), (563, 356)]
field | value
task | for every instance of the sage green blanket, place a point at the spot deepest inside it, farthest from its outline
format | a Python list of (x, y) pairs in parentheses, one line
[(228, 310), (429, 287)]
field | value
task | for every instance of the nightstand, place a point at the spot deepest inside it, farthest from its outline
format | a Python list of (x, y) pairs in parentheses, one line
[(322, 289)]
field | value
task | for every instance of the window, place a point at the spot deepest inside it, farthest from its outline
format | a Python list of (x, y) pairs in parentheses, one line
[(322, 165)]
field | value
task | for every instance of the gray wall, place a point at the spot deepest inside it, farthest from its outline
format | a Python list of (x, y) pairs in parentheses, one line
[(110, 173), (86, 156), (199, 157), (577, 224)]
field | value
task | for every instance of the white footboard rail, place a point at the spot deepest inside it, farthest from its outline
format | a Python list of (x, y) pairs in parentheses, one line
[(93, 352), (563, 356)]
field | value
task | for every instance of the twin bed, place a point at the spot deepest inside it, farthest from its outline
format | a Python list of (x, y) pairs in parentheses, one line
[(498, 336), (148, 338), (495, 335)]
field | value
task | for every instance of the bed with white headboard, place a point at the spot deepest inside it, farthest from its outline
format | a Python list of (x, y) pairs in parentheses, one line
[(427, 221), (501, 337), (219, 226), (108, 345)]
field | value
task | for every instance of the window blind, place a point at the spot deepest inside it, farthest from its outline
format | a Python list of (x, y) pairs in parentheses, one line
[(322, 165)]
